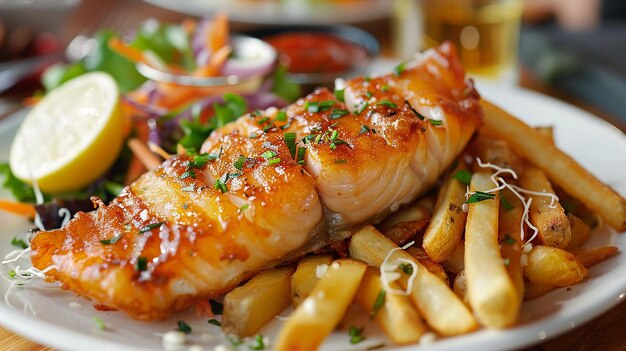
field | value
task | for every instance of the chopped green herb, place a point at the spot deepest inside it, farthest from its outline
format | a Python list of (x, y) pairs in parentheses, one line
[(18, 242), (480, 196), (378, 304), (234, 340), (285, 126), (12, 273), (200, 160), (112, 240), (319, 106), (366, 129), (341, 161), (220, 183), (464, 176), (338, 113), (505, 203), (244, 207), (263, 120), (318, 138), (274, 161), (184, 327), (253, 135), (142, 264), (507, 261), (435, 122), (290, 141), (362, 107), (268, 154), (215, 322), (150, 226), (258, 343), (256, 113), (333, 135), (188, 174), (399, 69), (339, 94), (240, 162), (406, 268), (99, 323), (216, 307), (417, 114), (509, 240), (300, 159), (368, 94), (268, 127), (367, 78), (113, 188), (281, 116), (384, 88), (387, 103), (356, 335)]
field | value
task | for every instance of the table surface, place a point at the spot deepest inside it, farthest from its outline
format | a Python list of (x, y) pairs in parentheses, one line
[(607, 332)]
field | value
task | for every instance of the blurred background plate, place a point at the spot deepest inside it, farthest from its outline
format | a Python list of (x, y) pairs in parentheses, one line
[(285, 12)]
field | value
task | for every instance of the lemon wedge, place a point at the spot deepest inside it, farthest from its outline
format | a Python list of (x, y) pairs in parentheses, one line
[(72, 136)]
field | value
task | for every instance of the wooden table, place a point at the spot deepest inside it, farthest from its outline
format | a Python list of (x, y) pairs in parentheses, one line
[(607, 332)]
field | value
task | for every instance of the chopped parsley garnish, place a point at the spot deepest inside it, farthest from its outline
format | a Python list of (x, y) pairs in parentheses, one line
[(384, 88), (378, 303), (362, 107), (244, 207), (507, 261), (190, 173), (188, 188), (281, 116), (258, 343), (387, 103), (220, 183), (417, 114), (274, 161), (184, 327), (253, 135), (216, 307), (338, 113), (367, 78), (150, 226), (464, 176), (234, 340), (356, 335), (12, 274), (399, 69), (290, 141), (509, 240), (263, 120), (319, 106), (406, 268), (341, 161), (214, 322), (333, 135), (480, 196), (142, 264), (435, 122), (240, 162), (18, 242), (505, 203), (99, 323), (339, 94), (366, 129), (300, 159), (268, 127), (112, 240), (268, 154), (368, 94), (200, 160)]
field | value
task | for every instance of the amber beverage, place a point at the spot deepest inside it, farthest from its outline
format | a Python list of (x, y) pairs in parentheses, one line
[(486, 33)]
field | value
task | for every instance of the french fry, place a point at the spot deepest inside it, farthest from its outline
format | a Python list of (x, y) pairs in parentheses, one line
[(456, 262), (249, 307), (305, 277), (580, 231), (434, 299), (445, 229), (509, 236), (552, 266), (547, 215), (559, 167), (547, 132), (323, 309), (403, 232), (495, 151), (491, 292), (396, 315), (432, 266), (460, 287), (533, 291), (410, 213), (590, 257)]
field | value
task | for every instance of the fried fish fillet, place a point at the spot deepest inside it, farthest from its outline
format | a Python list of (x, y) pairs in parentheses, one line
[(269, 187)]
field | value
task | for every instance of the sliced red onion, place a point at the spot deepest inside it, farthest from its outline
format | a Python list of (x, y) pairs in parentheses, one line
[(198, 40)]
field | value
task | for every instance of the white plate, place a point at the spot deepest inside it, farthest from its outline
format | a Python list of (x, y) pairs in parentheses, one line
[(284, 12), (594, 143)]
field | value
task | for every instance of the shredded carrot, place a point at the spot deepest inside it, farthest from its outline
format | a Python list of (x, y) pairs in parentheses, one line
[(204, 307), (143, 153), (18, 208), (217, 60), (120, 47), (189, 25), (217, 32)]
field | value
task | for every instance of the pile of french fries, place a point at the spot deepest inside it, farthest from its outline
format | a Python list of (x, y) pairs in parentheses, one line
[(468, 264)]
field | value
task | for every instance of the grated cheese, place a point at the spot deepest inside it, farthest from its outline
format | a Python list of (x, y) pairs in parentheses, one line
[(320, 270)]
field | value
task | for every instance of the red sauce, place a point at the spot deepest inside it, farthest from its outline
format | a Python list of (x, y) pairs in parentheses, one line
[(317, 52)]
